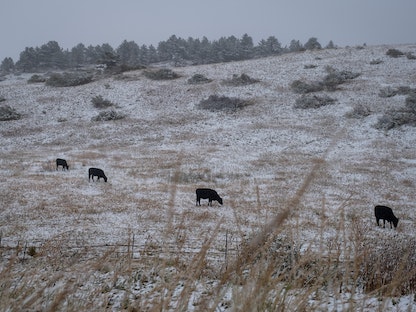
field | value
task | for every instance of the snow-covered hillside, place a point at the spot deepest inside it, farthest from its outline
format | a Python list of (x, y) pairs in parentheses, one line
[(257, 158)]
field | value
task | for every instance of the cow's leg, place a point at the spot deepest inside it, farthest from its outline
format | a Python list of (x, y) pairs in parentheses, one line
[(384, 223)]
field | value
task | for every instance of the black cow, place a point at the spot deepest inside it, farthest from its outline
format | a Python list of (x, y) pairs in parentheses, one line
[(386, 214), (95, 172), (61, 162), (205, 193)]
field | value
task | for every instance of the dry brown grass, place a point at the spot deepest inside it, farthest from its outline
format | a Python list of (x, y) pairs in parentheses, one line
[(269, 250)]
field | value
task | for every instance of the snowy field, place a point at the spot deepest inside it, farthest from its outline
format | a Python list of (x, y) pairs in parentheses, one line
[(139, 243)]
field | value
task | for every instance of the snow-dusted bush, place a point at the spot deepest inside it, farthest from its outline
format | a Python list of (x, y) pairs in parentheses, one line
[(8, 113), (161, 74), (301, 87), (390, 266), (394, 53), (198, 79), (329, 82), (376, 62), (358, 111), (68, 79), (336, 77), (411, 102), (410, 56), (107, 116), (36, 79), (99, 102), (387, 92), (313, 101), (216, 102), (396, 118), (241, 80)]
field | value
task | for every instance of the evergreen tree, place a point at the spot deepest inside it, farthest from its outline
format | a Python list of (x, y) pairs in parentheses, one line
[(128, 53), (268, 47), (330, 45), (50, 55), (78, 55), (295, 46), (7, 66), (312, 44), (28, 60), (247, 47)]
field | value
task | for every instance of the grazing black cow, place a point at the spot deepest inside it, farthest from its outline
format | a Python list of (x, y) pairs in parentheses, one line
[(205, 193), (61, 162), (95, 172), (386, 214)]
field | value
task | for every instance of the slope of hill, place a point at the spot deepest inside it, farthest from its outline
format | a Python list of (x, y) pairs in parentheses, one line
[(296, 230)]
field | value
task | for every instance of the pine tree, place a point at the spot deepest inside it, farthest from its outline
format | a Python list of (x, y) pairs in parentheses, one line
[(7, 66)]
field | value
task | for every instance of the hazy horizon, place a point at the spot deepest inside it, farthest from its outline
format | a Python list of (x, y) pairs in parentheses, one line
[(25, 23)]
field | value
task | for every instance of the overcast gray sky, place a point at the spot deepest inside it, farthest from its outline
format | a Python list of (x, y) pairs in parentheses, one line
[(32, 23)]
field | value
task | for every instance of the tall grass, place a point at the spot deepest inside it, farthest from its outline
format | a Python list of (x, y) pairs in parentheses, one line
[(199, 260)]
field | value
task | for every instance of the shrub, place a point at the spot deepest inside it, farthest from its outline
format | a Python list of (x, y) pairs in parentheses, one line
[(376, 62), (396, 118), (411, 102), (336, 77), (313, 101), (68, 79), (8, 113), (329, 83), (161, 74), (100, 102), (387, 92), (410, 56), (107, 116), (215, 102), (241, 80), (390, 266), (394, 53), (302, 87), (198, 79), (359, 111), (36, 79)]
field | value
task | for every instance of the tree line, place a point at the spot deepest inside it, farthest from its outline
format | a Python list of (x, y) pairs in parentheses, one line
[(176, 50)]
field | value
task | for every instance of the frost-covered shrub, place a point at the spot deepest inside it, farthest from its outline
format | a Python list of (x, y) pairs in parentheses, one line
[(68, 79), (241, 80), (337, 77), (107, 116), (376, 62), (329, 82), (198, 79), (387, 92), (99, 102), (8, 113), (390, 91), (359, 111), (390, 266), (36, 79), (215, 102), (396, 118), (301, 87), (410, 56), (313, 101), (394, 53), (411, 102), (161, 74)]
